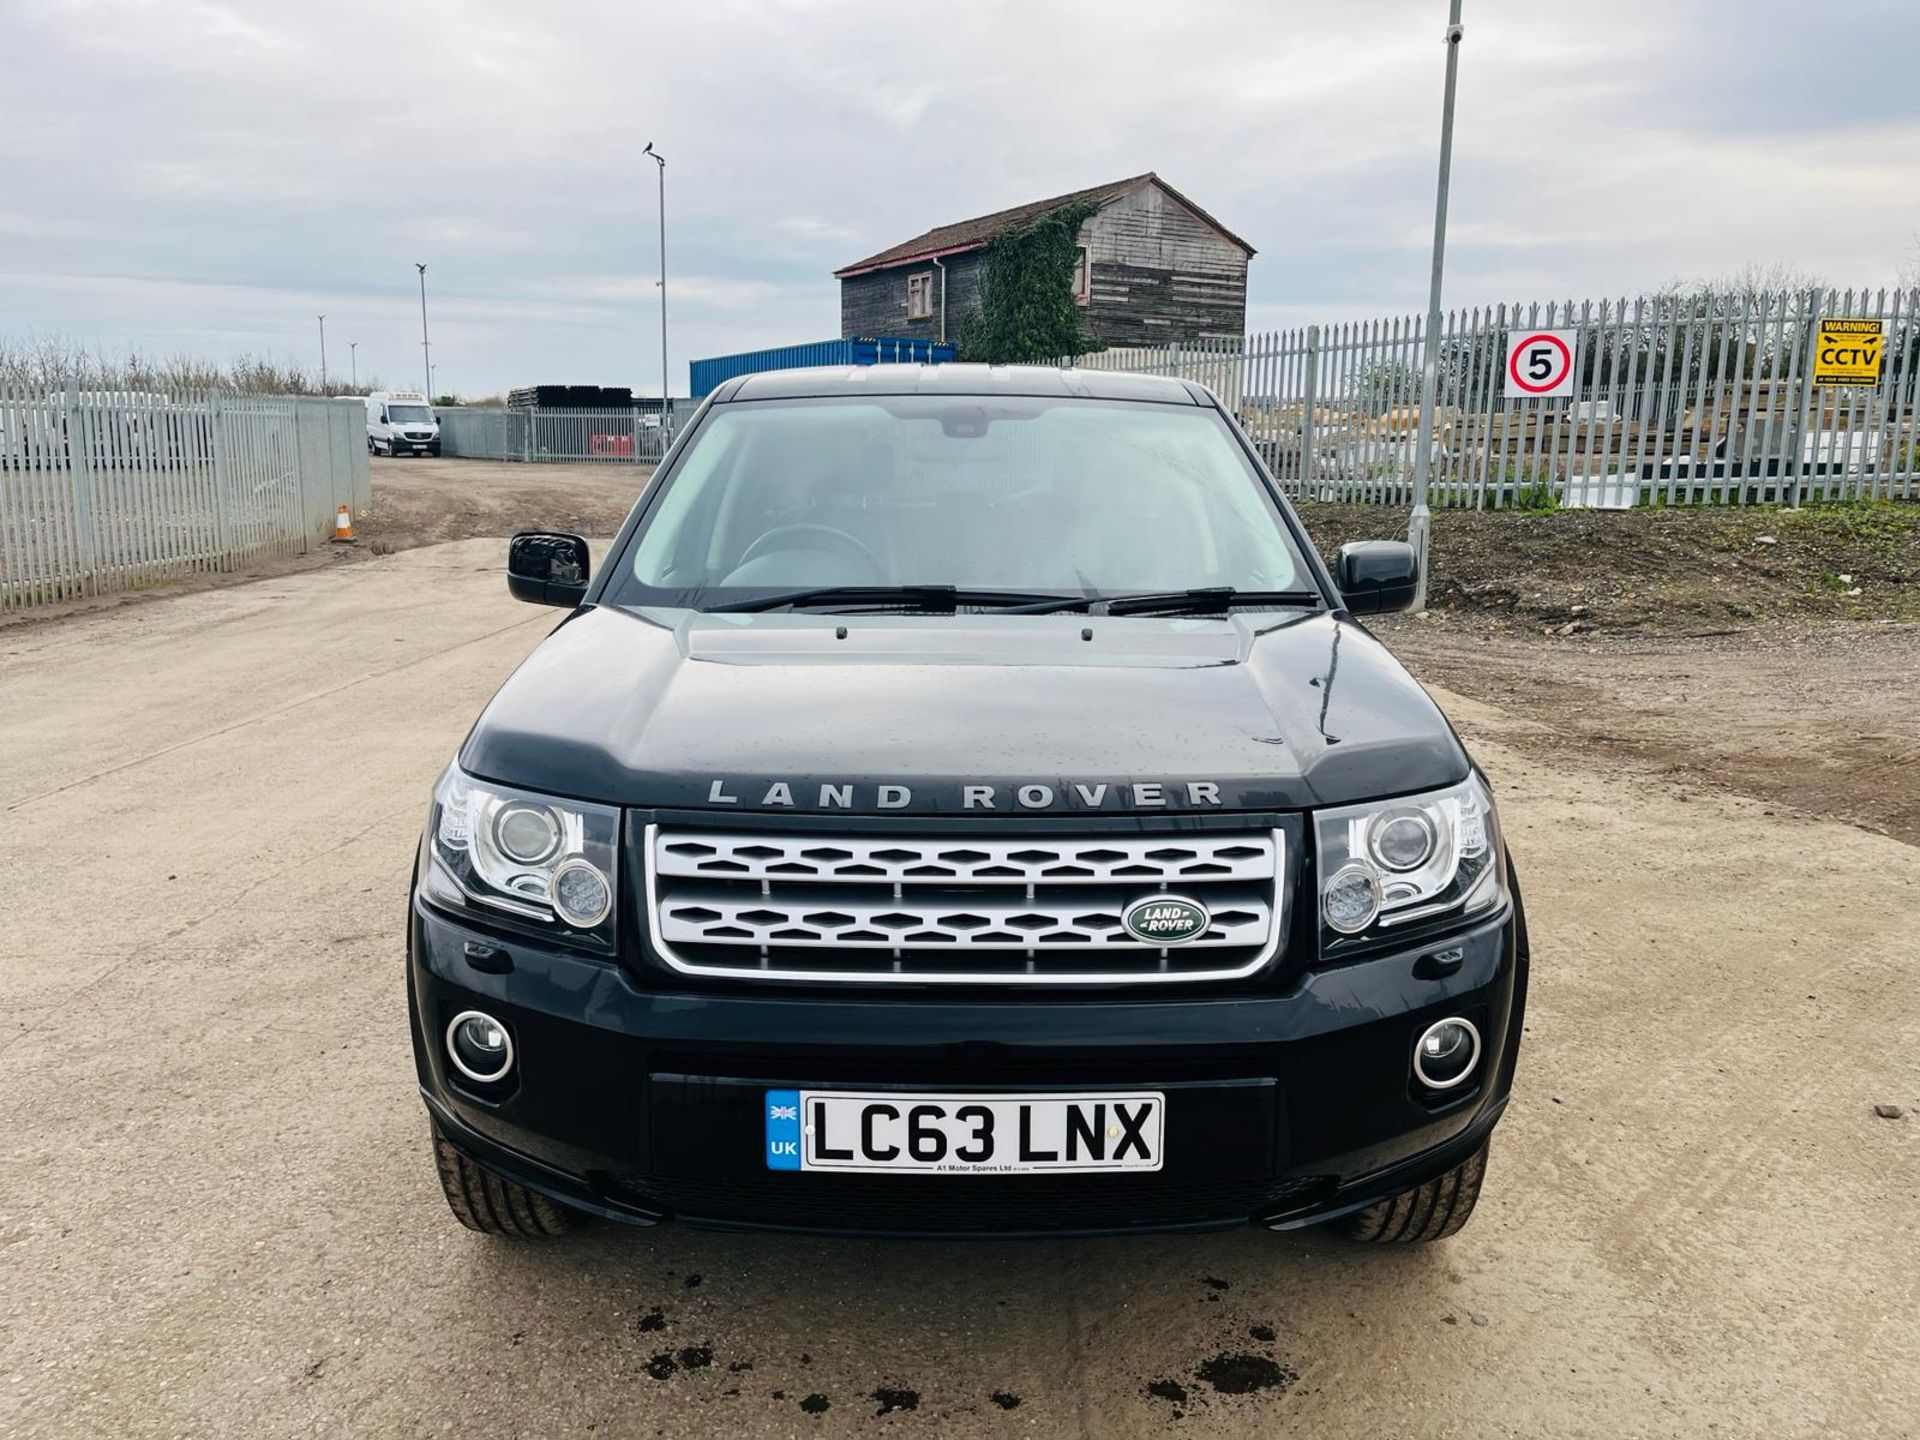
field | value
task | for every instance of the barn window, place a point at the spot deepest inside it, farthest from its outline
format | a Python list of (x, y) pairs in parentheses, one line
[(920, 296), (1083, 275)]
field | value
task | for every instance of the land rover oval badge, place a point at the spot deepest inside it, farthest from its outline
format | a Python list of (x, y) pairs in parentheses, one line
[(1166, 919)]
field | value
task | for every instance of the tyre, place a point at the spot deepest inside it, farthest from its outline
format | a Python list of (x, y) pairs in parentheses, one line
[(1432, 1211), (493, 1204)]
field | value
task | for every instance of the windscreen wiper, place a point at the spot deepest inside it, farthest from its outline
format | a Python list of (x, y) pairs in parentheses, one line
[(1205, 598), (943, 598)]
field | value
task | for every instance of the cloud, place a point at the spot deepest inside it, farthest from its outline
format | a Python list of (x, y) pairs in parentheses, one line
[(699, 293), (207, 173), (808, 228)]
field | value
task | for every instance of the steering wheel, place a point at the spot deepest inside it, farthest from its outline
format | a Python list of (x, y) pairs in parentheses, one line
[(827, 532)]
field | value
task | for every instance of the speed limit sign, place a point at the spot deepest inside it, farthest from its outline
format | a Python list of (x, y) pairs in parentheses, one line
[(1540, 363)]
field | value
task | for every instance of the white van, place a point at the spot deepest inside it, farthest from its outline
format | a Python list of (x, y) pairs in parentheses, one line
[(401, 422)]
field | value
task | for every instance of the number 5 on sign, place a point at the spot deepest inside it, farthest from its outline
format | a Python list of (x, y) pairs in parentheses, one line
[(1540, 363)]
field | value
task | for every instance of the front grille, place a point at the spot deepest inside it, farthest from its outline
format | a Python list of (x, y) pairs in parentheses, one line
[(958, 910), (971, 1204)]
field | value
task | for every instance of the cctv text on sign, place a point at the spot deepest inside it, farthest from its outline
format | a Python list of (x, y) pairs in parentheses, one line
[(1848, 352)]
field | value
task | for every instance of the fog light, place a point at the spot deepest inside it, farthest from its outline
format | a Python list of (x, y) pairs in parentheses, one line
[(1447, 1053), (479, 1046)]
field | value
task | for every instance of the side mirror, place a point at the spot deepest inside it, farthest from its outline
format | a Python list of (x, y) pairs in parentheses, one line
[(547, 569), (1376, 576)]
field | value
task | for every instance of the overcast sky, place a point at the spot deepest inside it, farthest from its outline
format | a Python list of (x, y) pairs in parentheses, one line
[(186, 175)]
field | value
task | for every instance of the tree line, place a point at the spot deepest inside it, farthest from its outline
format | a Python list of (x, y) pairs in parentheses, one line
[(46, 361)]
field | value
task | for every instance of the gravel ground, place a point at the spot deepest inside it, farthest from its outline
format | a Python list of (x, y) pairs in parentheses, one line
[(1820, 716), (218, 1215)]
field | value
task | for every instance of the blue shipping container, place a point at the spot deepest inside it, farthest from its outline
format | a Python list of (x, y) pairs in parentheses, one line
[(703, 375)]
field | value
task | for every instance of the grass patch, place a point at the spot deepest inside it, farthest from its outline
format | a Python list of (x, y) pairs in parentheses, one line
[(1532, 491)]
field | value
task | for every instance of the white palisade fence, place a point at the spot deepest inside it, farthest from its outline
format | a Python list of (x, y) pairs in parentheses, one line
[(104, 491), (1703, 398)]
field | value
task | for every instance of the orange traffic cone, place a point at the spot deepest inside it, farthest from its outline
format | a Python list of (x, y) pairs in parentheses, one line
[(342, 524)]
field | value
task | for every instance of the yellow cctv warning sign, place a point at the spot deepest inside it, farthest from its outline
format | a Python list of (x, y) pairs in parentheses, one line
[(1847, 352)]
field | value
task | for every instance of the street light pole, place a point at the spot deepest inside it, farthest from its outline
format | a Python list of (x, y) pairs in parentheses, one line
[(323, 354), (661, 161), (1420, 523), (353, 359), (426, 350)]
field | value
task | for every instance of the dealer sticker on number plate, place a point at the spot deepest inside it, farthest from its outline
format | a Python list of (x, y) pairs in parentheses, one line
[(994, 1134)]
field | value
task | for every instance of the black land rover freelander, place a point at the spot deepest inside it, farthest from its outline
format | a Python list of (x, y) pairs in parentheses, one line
[(963, 802)]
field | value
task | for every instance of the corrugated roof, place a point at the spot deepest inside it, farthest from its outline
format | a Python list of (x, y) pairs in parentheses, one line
[(971, 234)]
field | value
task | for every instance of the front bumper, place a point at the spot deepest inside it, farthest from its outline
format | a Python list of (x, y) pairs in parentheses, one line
[(1282, 1110)]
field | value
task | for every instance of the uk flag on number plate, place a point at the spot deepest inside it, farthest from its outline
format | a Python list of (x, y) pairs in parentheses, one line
[(783, 1129)]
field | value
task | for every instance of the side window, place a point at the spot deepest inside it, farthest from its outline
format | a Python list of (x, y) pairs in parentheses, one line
[(1083, 275), (383, 415), (920, 296)]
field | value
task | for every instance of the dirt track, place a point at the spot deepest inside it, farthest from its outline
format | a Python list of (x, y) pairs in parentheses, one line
[(425, 501), (1820, 716), (217, 1212)]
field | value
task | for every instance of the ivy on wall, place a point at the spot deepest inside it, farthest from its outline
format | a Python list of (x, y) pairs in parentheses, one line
[(1027, 311)]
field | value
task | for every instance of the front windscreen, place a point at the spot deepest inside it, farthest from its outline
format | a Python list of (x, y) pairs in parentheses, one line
[(1050, 496), (409, 415)]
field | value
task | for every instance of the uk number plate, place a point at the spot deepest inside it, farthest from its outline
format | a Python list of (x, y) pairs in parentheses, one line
[(965, 1134)]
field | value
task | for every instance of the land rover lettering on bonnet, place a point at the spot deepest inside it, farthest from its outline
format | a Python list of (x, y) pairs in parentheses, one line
[(857, 795), (961, 801)]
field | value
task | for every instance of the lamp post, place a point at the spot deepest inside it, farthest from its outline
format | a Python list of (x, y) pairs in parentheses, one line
[(660, 161), (353, 359), (1420, 523), (323, 354), (426, 350)]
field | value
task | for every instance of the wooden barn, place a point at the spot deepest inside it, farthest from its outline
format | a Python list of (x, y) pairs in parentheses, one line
[(1155, 269)]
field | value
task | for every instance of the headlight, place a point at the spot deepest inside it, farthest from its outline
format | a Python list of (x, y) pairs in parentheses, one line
[(1351, 900), (1399, 861), (491, 847)]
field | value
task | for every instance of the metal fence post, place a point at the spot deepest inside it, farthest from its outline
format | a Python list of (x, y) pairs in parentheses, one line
[(1490, 401), (1809, 342), (1420, 522), (1310, 385), (222, 504), (78, 435), (299, 473)]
